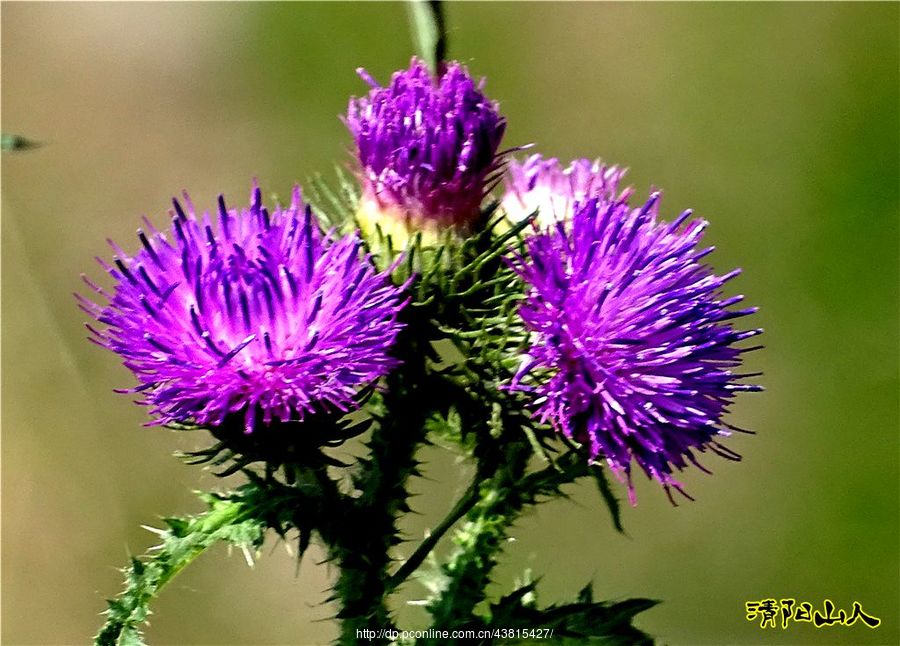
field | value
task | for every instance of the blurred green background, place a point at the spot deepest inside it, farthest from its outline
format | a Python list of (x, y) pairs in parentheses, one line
[(777, 122)]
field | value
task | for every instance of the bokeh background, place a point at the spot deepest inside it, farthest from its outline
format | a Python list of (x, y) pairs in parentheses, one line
[(777, 122)]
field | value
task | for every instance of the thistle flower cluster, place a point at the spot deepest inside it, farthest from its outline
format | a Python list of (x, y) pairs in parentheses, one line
[(632, 349), (254, 313), (427, 148), (265, 329)]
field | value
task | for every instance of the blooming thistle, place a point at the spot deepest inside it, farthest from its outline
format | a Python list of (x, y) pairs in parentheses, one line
[(258, 316), (634, 338), (427, 148), (543, 185)]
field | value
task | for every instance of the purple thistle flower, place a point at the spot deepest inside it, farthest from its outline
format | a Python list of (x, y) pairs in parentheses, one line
[(257, 314), (427, 148), (543, 185), (633, 351)]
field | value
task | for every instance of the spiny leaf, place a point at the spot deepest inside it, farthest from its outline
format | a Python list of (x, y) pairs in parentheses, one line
[(229, 519), (606, 492), (583, 622)]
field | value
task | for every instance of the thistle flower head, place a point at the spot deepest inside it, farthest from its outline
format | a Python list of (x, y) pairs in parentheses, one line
[(633, 348), (427, 149), (543, 185), (251, 314)]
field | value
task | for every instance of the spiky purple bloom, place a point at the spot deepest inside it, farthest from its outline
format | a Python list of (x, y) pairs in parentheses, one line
[(427, 147), (543, 185), (252, 313), (633, 350)]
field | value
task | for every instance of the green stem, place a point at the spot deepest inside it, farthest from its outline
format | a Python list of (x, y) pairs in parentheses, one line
[(362, 547), (426, 21), (363, 550), (480, 539), (462, 507), (501, 501)]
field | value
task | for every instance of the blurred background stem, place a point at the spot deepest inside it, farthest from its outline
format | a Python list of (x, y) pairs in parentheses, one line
[(426, 21)]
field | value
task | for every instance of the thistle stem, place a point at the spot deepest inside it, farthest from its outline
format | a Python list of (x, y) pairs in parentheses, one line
[(462, 507), (500, 501), (369, 533), (363, 553), (498, 504)]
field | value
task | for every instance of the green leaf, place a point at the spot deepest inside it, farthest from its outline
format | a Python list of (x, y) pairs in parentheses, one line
[(16, 143), (229, 518), (130, 637), (606, 492), (584, 622)]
